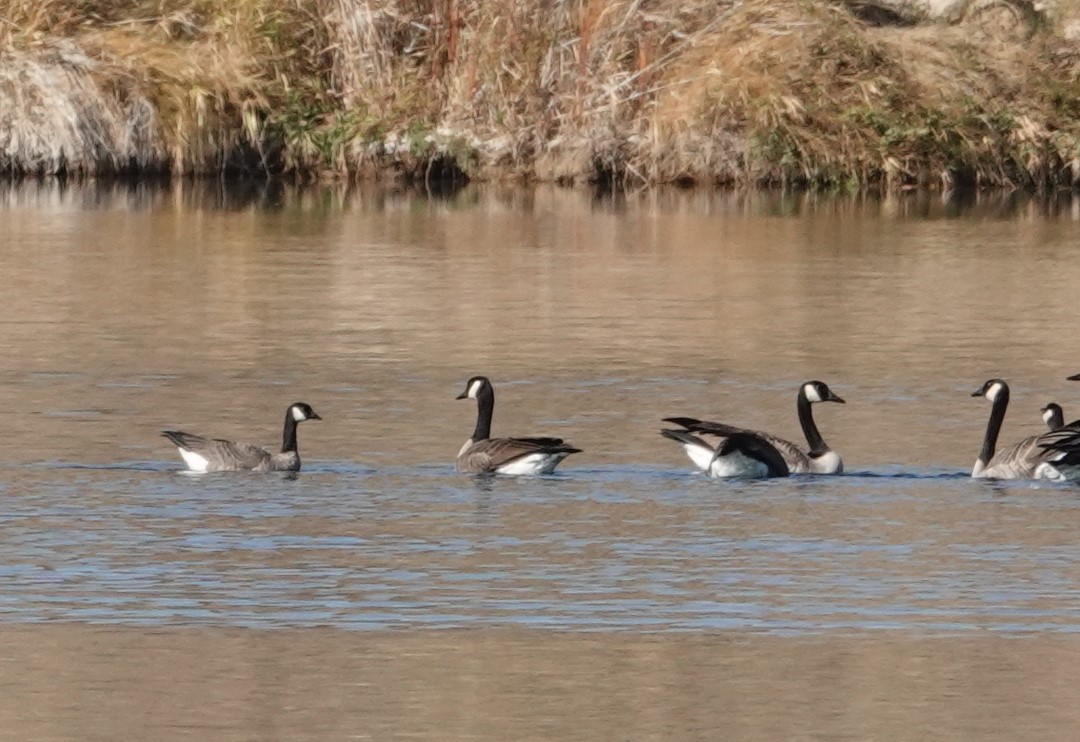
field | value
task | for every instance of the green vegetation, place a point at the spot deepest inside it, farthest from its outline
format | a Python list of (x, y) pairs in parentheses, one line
[(831, 93)]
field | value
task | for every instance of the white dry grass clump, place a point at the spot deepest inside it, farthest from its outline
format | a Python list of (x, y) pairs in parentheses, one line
[(58, 113), (90, 87)]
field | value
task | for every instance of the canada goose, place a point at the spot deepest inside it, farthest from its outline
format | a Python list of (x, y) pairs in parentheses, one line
[(483, 454), (1048, 455), (1053, 416), (214, 454), (739, 453), (819, 460)]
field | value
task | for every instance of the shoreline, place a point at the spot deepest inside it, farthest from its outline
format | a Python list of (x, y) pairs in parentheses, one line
[(746, 93)]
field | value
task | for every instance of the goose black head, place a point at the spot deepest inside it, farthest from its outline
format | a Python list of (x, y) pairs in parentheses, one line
[(819, 391), (992, 389), (1053, 415), (475, 387), (302, 411)]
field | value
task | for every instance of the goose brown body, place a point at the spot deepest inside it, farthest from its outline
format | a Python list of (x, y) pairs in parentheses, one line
[(482, 454), (216, 454)]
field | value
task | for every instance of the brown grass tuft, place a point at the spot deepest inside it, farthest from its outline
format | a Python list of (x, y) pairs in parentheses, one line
[(824, 92)]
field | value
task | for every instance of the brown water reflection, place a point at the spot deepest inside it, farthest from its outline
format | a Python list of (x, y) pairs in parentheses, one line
[(863, 608), (87, 684), (134, 309)]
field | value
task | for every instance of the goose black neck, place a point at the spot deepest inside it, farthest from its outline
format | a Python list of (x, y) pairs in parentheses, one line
[(485, 407), (809, 427), (288, 436), (993, 427)]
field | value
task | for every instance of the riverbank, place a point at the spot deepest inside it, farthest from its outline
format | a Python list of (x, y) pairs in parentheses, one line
[(762, 92)]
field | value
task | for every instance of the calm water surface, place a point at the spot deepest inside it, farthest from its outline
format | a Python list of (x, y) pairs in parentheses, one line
[(378, 595)]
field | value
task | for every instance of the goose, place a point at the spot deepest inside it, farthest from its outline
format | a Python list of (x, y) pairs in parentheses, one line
[(1053, 416), (483, 454), (1050, 455), (820, 459), (214, 454), (739, 453)]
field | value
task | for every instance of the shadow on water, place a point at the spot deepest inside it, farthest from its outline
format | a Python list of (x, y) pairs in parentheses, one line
[(274, 194)]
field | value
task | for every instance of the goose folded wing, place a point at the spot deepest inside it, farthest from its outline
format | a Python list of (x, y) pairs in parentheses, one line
[(1062, 439), (545, 443), (757, 448), (686, 438), (710, 433), (186, 440), (219, 453), (714, 434), (243, 455), (490, 454), (793, 455), (1061, 446), (704, 426)]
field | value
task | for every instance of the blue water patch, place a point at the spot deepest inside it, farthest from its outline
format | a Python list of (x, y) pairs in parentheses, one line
[(600, 548)]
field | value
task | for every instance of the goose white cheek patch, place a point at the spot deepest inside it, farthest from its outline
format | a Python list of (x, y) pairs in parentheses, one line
[(474, 389), (993, 392), (298, 415), (811, 393)]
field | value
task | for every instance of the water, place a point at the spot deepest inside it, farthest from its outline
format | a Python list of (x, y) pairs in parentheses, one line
[(379, 595), (600, 550)]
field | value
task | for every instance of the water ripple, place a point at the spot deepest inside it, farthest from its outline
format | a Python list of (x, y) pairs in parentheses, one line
[(612, 548)]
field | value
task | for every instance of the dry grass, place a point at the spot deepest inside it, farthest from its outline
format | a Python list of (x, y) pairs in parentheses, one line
[(758, 91), (184, 87), (822, 98), (61, 119)]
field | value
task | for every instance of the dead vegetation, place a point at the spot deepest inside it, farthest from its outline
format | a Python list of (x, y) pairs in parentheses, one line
[(796, 92)]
